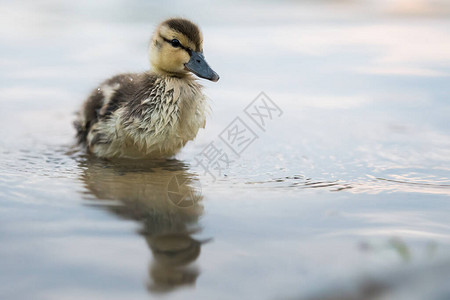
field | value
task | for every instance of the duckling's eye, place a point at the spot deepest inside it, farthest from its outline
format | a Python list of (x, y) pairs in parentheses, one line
[(175, 43)]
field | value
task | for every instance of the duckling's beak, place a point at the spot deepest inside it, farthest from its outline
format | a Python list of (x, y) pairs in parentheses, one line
[(198, 65)]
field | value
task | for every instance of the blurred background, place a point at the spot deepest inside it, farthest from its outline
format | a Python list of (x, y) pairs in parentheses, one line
[(343, 196)]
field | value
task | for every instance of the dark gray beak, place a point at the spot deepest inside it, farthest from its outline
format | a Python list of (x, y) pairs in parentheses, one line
[(198, 65)]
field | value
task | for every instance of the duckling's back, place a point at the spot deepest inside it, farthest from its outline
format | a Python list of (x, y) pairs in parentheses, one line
[(106, 99)]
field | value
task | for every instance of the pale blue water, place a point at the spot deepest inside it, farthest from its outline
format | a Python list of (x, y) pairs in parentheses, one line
[(347, 189)]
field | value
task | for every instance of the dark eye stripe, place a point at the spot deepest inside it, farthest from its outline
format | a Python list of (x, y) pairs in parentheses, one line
[(189, 51)]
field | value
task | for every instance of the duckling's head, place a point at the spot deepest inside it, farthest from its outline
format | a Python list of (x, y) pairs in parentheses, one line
[(177, 49)]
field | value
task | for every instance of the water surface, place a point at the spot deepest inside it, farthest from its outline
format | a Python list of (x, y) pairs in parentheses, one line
[(344, 192)]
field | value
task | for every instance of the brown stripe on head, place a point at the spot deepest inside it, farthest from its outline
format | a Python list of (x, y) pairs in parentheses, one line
[(188, 29)]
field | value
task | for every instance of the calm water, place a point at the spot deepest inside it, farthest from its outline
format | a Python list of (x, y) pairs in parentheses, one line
[(342, 194)]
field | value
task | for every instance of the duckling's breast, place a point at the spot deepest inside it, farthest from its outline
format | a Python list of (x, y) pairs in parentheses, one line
[(192, 111), (181, 114)]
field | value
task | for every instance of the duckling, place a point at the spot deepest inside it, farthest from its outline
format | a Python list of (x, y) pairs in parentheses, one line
[(155, 113)]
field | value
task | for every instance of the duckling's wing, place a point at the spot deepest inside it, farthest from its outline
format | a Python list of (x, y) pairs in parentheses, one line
[(104, 101)]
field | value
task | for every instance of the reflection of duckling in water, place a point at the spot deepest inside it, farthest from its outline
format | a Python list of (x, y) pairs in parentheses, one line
[(152, 114), (142, 189), (172, 255)]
